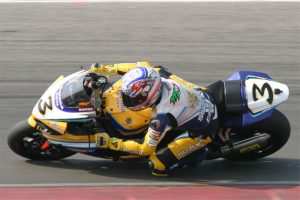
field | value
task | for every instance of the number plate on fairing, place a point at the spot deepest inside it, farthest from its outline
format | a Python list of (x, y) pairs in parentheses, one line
[(264, 94)]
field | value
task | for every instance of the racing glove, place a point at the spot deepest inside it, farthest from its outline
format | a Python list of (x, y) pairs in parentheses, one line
[(108, 69), (120, 68), (104, 141)]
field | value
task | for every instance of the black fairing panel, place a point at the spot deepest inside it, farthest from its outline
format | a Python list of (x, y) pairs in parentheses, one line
[(233, 97), (217, 91), (227, 97)]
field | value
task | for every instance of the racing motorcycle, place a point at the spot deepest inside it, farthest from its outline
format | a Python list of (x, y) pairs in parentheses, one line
[(74, 108)]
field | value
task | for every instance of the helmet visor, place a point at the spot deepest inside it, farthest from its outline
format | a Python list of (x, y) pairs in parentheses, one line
[(130, 102)]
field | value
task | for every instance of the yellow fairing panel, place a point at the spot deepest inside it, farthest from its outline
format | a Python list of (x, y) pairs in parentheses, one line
[(185, 146), (31, 121), (126, 121), (55, 125)]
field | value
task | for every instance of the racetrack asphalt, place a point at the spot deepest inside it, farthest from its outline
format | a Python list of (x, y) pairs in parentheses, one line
[(201, 42)]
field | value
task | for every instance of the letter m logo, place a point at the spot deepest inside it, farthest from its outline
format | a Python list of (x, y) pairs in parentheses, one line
[(261, 91)]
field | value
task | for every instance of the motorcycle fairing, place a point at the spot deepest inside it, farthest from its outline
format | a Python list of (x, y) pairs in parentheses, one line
[(82, 143), (50, 108), (77, 143), (58, 117), (125, 121), (256, 103)]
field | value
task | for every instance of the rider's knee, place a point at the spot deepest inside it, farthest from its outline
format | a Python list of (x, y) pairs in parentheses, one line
[(176, 155)]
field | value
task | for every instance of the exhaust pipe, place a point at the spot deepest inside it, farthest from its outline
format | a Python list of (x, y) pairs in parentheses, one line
[(248, 145)]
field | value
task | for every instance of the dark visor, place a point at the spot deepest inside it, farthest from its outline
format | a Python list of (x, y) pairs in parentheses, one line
[(134, 101)]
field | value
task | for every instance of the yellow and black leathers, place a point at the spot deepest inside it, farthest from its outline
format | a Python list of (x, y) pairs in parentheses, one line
[(125, 121), (199, 112)]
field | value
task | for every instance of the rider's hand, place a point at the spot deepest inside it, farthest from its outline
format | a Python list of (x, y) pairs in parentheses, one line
[(95, 67), (108, 69), (103, 140)]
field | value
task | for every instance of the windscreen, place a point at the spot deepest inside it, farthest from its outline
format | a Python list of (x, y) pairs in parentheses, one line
[(73, 93)]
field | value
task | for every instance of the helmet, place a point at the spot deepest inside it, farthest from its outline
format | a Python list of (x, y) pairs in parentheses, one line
[(141, 88)]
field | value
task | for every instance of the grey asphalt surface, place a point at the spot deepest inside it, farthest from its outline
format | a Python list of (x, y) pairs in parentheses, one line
[(201, 42)]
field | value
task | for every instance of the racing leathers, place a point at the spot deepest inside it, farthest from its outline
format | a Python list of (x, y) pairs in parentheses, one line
[(183, 122)]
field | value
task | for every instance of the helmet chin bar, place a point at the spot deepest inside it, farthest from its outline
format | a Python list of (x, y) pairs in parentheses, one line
[(151, 104)]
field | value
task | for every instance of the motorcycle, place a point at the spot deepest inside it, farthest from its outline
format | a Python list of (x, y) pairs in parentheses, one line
[(74, 108)]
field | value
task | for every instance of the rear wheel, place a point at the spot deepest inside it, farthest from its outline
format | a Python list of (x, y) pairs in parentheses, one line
[(27, 142), (277, 126)]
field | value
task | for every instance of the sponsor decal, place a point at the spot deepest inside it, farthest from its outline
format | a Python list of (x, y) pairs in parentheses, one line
[(132, 151), (58, 101), (206, 107), (115, 144), (85, 109), (119, 102), (111, 70), (175, 96), (84, 104), (200, 143), (250, 148), (55, 126), (193, 99), (43, 105), (261, 91)]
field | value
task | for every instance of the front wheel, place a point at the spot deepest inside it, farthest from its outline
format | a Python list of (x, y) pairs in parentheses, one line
[(277, 126), (27, 142)]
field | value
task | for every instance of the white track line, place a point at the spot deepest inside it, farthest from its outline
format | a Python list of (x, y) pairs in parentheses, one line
[(149, 184)]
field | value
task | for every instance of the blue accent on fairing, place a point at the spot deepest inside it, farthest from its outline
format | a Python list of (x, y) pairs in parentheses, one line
[(58, 101), (51, 139), (247, 118), (80, 148), (89, 148), (242, 75), (71, 120)]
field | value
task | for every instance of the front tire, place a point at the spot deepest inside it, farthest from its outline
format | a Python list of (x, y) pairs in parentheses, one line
[(277, 126), (16, 142)]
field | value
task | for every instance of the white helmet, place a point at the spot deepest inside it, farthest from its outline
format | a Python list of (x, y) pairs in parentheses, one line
[(141, 88)]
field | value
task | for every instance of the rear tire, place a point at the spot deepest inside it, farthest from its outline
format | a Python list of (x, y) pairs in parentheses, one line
[(277, 126), (16, 143)]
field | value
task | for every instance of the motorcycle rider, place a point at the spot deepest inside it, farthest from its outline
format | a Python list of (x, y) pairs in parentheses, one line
[(182, 113)]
